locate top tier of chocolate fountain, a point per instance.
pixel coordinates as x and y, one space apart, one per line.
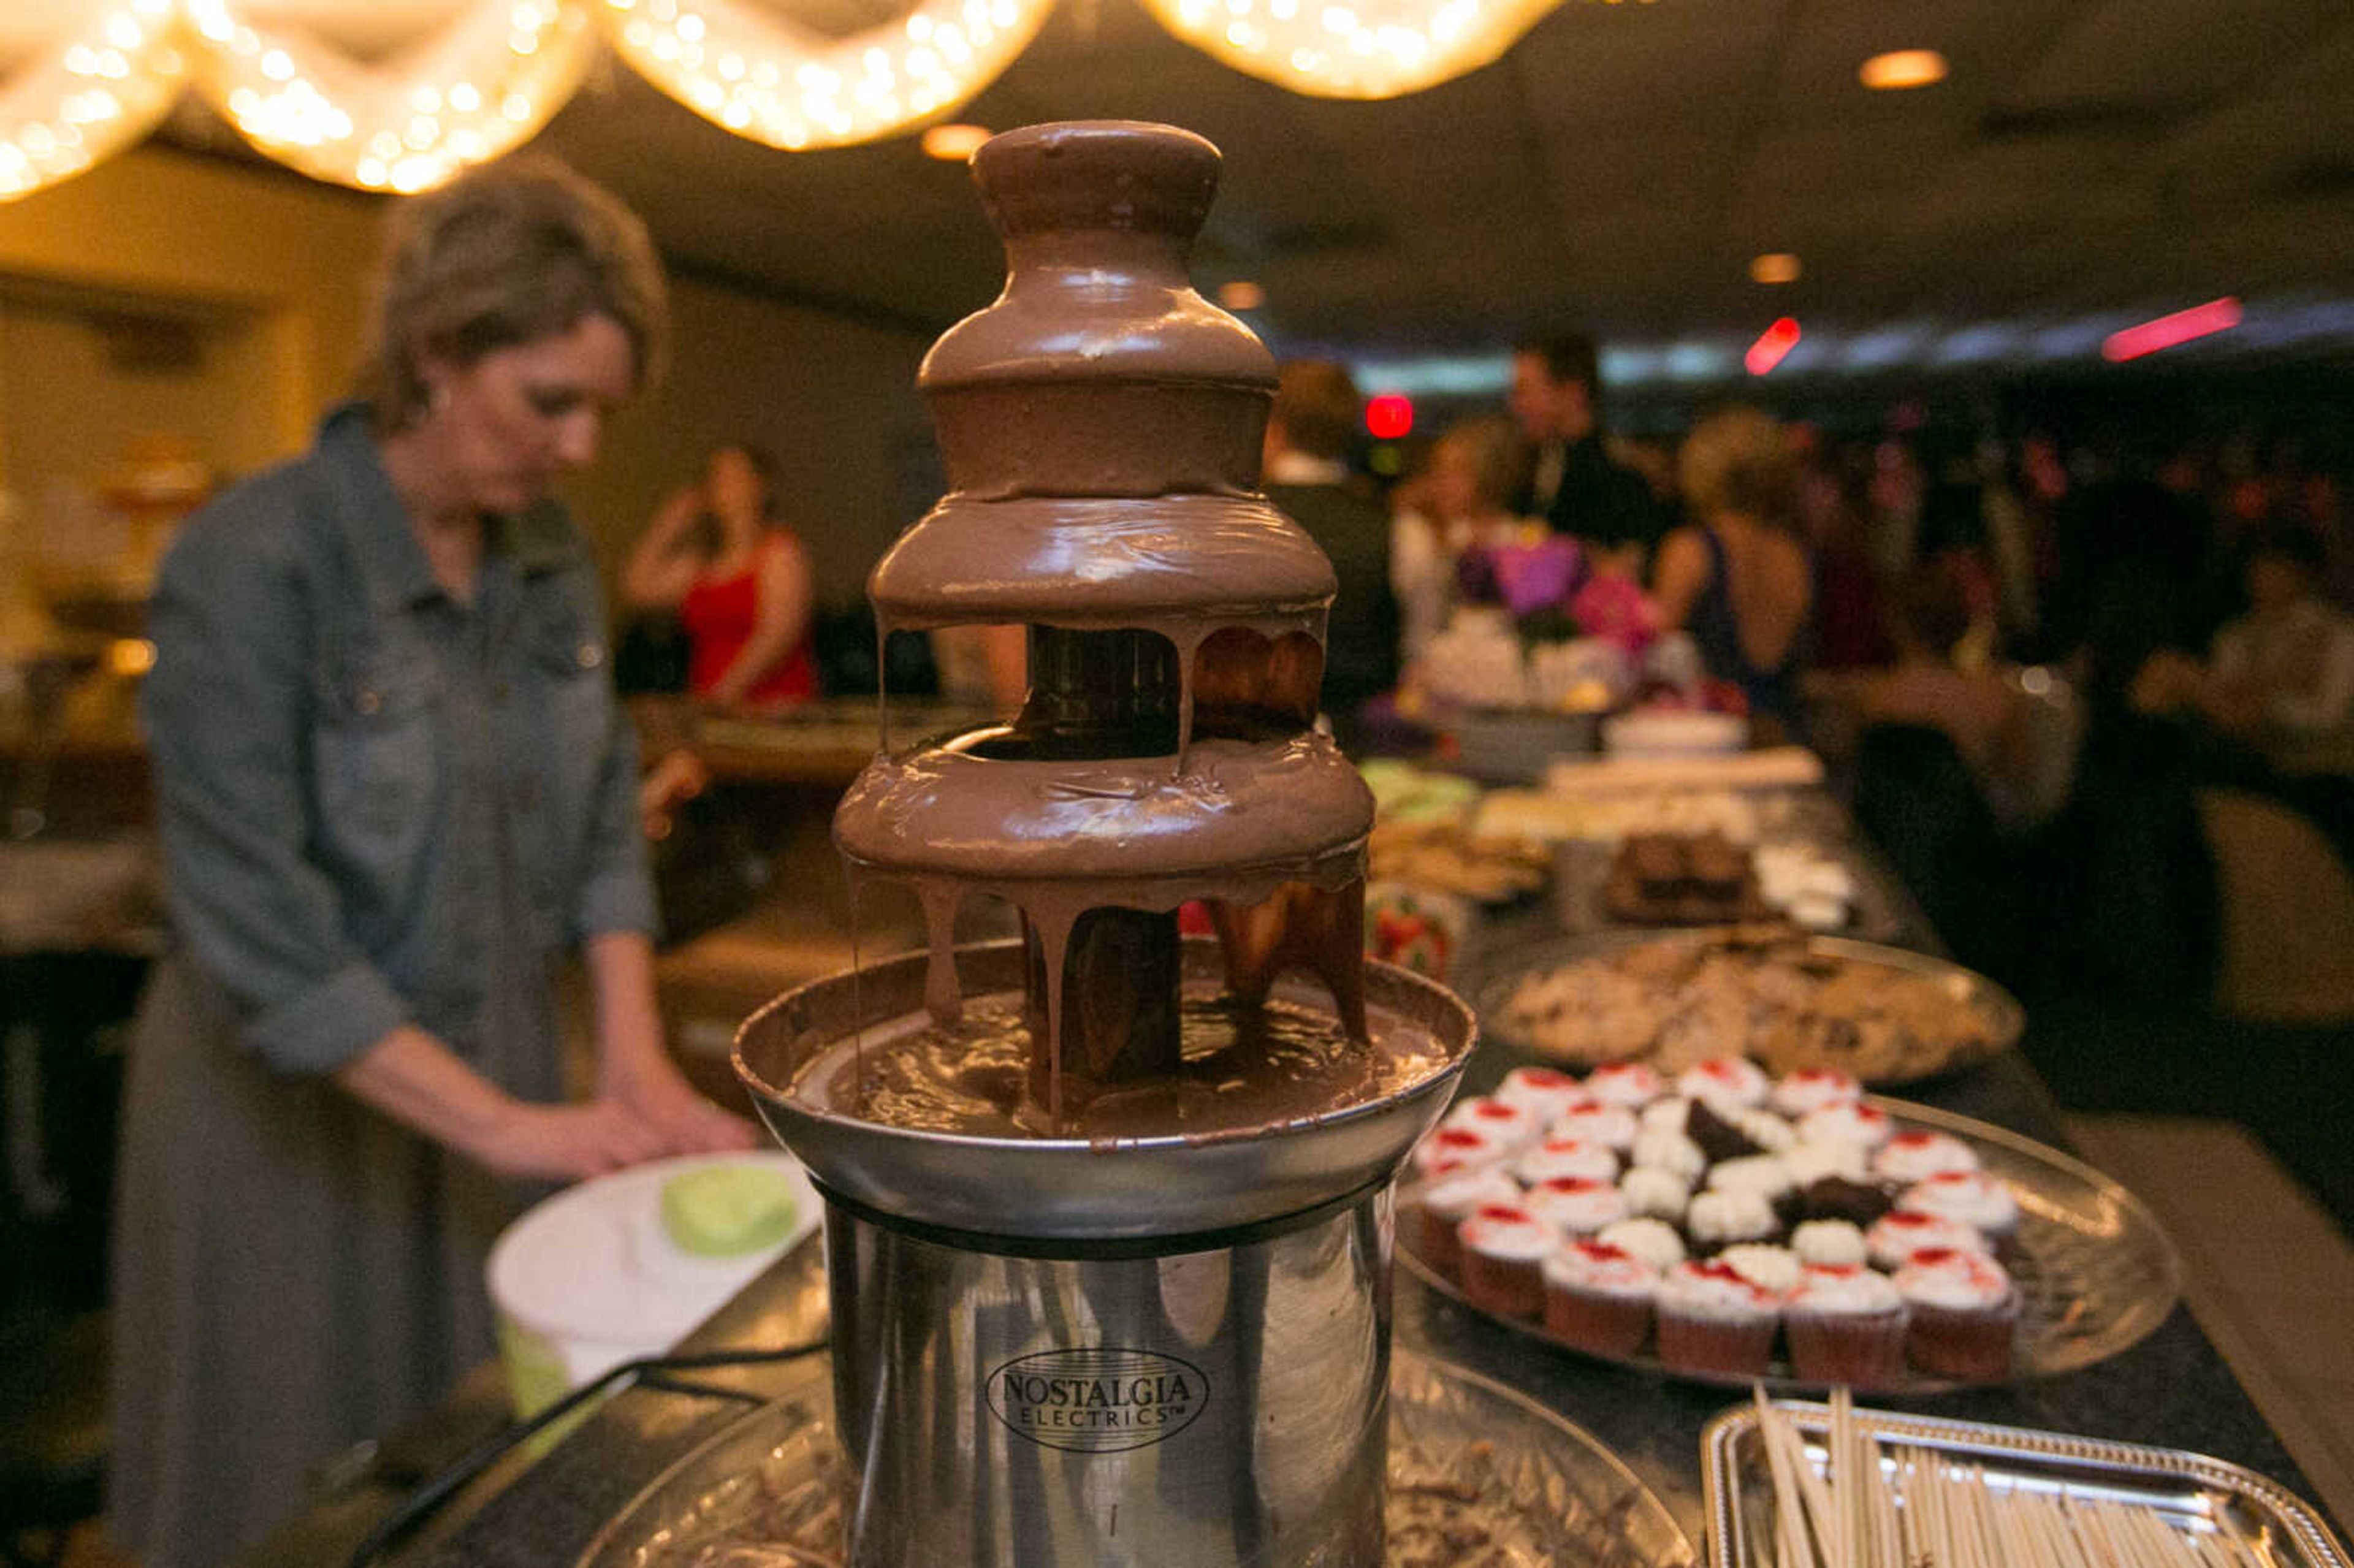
1101 423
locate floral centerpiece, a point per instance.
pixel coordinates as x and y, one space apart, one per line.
1537 625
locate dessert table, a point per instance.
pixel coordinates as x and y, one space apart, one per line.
2173 1389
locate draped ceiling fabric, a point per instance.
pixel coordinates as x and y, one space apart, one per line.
81 79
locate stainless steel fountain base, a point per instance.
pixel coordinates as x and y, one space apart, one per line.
1220 1403
1163 1352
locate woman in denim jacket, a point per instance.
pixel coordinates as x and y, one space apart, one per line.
395 792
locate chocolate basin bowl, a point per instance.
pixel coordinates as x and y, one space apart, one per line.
1077 1190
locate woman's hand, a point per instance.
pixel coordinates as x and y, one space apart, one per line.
568 1142
686 1123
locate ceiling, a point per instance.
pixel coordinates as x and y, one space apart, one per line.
1617 169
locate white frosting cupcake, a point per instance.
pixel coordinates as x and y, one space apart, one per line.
1724 1081
1867 1126
1446 1148
1603 1267
1715 1291
1575 1206
1810 1090
1833 1241
1845 1289
1565 1157
1596 1121
1764 1174
1811 1162
1919 1153
1717 1217
1654 1241
1629 1084
1772 1269
1669 1151
1456 1193
1665 1114
1510 1124
1973 1197
1656 1192
1764 1128
1895 1237
1953 1280
1542 1091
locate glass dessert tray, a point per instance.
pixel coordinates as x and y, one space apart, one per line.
2095 1270
1468 1459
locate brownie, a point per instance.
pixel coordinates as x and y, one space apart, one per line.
1860 1204
1718 1139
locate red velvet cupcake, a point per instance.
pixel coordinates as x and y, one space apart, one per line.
1446 1148
1964 1313
1504 1248
1711 1320
1436 1208
1846 1324
1597 1297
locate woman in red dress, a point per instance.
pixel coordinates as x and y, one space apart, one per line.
740 581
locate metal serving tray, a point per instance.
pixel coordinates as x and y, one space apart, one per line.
2187 1491
766 1492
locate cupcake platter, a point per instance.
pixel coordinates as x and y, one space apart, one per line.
1790 999
1728 1228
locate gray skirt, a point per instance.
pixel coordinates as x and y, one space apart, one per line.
293 1272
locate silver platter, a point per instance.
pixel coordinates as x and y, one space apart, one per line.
2096 1270
2002 1018
2188 1492
1463 1451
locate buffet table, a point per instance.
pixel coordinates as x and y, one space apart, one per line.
2172 1389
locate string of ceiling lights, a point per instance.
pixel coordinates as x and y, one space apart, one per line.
107 71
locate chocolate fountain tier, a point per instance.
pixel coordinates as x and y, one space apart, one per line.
1240 813
1090 1191
1066 561
1099 335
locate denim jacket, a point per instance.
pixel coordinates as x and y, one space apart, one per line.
377 802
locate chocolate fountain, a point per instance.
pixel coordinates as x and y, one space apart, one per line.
1108 1214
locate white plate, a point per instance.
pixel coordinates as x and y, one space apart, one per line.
592 1272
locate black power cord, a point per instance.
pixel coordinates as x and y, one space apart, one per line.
650 1372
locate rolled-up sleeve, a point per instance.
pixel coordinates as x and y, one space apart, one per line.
226 709
616 888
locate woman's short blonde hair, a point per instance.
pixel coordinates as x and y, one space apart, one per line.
1490 446
1739 460
503 255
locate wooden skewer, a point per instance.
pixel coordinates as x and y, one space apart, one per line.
1790 1550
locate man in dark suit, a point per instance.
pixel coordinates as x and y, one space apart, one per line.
1556 396
1308 438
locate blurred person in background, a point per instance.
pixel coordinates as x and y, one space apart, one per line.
395 793
739 580
1306 475
2280 678
1980 711
1850 626
1460 501
1947 766
1573 483
1736 579
1894 497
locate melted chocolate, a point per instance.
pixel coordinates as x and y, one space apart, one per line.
1101 425
1245 1066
